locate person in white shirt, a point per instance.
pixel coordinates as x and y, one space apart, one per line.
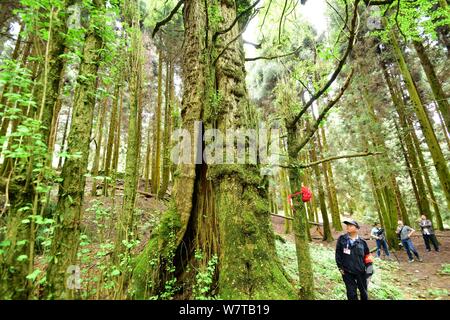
378 234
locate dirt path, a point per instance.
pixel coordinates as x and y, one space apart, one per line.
419 280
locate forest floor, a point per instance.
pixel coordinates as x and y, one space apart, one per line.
394 279
429 279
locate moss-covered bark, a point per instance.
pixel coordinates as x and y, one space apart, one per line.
220 209
111 133
323 207
124 225
13 270
156 157
301 231
98 146
68 213
169 96
337 225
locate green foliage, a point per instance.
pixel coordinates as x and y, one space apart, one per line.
204 277
445 269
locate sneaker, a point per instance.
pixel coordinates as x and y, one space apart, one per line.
429 250
420 260
411 260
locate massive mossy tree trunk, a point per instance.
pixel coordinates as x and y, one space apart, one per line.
218 209
71 191
436 153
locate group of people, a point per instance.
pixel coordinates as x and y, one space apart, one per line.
404 234
353 255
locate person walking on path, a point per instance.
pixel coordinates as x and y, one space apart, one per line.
352 259
404 233
378 234
428 233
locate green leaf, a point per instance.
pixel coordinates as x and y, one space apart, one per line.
115 273
22 257
21 242
32 276
5 243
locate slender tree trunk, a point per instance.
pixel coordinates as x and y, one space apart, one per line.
148 158
424 168
421 195
64 137
98 146
69 208
329 181
167 130
323 207
110 143
436 153
436 86
115 161
125 221
156 158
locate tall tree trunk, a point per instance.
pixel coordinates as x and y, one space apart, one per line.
148 158
98 145
331 189
323 207
64 138
424 168
111 132
217 209
401 208
156 158
436 153
167 129
125 219
436 86
399 105
71 192
115 160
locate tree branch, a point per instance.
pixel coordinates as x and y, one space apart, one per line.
274 57
256 45
161 23
344 156
378 3
218 33
324 112
336 72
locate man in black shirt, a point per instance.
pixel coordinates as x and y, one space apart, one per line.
352 255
